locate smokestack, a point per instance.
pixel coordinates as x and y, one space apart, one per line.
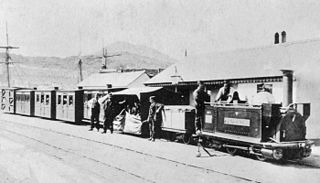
185 53
283 36
287 79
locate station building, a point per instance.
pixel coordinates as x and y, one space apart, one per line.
247 69
114 79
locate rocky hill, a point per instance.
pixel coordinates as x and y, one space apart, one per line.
64 72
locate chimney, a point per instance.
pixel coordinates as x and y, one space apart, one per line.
276 38
185 52
56 88
287 79
283 36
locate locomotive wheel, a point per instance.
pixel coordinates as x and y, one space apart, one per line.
261 157
186 138
231 151
171 136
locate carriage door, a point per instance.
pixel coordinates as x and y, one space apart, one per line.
71 107
59 106
46 105
64 106
36 104
27 103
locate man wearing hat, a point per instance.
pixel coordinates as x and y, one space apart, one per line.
154 118
200 96
109 113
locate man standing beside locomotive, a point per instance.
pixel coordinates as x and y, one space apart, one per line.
154 118
200 96
95 111
109 113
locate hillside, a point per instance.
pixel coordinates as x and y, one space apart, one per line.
64 72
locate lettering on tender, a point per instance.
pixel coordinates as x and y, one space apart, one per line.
237 121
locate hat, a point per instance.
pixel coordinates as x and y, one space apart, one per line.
200 82
152 98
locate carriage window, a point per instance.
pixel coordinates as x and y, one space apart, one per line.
37 98
22 98
64 99
42 98
70 100
47 99
27 97
59 99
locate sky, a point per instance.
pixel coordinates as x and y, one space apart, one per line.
62 28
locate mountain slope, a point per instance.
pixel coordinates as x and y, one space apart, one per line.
64 72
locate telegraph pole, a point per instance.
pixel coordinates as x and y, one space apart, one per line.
8 58
105 56
80 69
79 56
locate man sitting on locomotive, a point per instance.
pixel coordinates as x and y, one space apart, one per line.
225 93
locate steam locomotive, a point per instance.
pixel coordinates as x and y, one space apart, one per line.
267 131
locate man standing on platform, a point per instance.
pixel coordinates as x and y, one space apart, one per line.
95 111
200 96
109 113
155 118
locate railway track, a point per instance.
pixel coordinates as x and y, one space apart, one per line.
110 145
132 173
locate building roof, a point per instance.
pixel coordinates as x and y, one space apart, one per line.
134 91
260 62
115 79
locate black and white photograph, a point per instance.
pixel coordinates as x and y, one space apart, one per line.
161 91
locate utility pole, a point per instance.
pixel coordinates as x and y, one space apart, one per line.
8 58
105 56
80 69
79 57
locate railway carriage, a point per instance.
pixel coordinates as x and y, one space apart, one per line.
45 103
171 126
8 102
25 102
69 105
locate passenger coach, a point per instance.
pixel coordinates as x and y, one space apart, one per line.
45 103
69 105
25 102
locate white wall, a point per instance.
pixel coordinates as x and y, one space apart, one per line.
308 91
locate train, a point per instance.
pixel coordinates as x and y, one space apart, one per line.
267 131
